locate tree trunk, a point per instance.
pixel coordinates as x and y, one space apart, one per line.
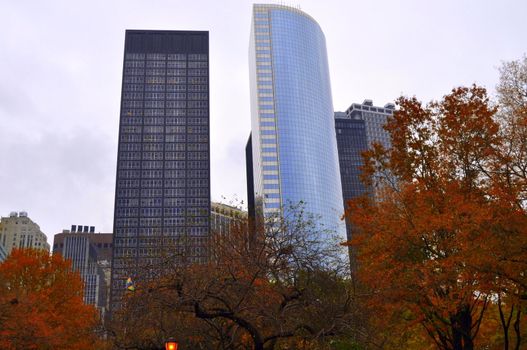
462 329
517 328
466 328
457 343
504 324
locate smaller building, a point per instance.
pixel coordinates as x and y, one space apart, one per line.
90 254
374 120
18 231
224 217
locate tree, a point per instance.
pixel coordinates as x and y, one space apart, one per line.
511 183
284 288
41 305
434 240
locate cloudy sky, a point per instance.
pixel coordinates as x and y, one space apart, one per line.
61 66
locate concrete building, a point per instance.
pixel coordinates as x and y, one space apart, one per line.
224 217
374 120
90 254
294 151
162 201
18 231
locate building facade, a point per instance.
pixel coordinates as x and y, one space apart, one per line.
162 202
18 231
224 217
356 130
351 142
374 120
90 253
292 126
3 252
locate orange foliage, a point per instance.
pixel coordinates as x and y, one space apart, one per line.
41 305
446 231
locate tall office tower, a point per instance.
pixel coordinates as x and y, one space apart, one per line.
293 130
162 202
19 231
356 129
90 254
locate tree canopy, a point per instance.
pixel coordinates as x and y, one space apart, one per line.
41 304
444 237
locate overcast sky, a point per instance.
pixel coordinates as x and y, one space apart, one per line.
61 66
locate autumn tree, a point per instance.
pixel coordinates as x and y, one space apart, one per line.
285 288
510 178
428 240
41 304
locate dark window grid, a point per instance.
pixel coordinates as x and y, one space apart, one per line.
207 130
204 190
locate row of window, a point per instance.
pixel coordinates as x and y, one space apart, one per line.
175 112
163 155
130 230
158 192
158 241
164 147
164 64
167 183
141 79
156 212
163 121
156 221
170 56
169 129
164 104
167 202
167 164
168 174
182 87
168 72
167 96
191 138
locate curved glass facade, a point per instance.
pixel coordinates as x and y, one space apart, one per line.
293 129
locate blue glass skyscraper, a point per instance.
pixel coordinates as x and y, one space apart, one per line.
293 130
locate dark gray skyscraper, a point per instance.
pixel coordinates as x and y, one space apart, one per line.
162 200
351 142
356 129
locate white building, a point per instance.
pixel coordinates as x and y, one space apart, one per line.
19 231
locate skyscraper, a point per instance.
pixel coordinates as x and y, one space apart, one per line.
356 129
351 142
293 130
162 201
